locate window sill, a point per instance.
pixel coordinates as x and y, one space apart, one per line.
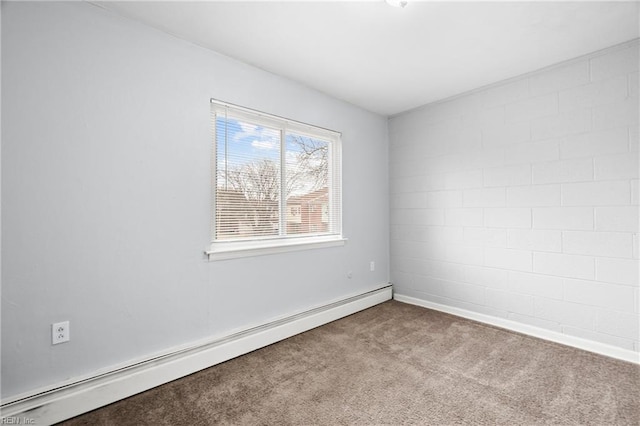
237 249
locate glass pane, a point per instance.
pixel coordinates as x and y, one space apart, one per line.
247 180
307 177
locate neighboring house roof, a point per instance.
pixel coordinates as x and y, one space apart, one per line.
319 196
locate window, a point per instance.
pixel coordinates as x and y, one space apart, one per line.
276 184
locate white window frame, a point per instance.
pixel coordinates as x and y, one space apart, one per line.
230 249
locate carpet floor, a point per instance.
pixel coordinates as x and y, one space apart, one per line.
395 364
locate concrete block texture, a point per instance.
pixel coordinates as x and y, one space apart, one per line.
540 180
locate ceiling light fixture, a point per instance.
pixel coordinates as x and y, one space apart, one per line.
397 3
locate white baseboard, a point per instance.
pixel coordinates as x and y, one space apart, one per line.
69 400
553 336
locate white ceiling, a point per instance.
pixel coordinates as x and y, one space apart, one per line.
387 59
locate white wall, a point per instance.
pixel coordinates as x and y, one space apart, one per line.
520 201
106 196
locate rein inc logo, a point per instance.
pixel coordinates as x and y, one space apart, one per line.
17 421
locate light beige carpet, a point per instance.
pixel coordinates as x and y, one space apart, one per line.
395 364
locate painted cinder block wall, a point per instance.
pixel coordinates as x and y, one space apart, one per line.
520 200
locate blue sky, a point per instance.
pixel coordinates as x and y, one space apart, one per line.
244 142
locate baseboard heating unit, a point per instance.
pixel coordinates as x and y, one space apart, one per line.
58 403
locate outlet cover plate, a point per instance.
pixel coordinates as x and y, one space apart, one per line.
60 332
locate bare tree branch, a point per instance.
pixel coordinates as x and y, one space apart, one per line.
259 181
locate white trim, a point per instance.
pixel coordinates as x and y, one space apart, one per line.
236 249
65 401
274 120
541 333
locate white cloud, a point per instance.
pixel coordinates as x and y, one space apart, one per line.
260 137
291 158
265 144
248 128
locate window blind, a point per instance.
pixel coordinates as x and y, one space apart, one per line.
274 178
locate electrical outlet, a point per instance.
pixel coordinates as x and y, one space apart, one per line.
60 332
372 266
